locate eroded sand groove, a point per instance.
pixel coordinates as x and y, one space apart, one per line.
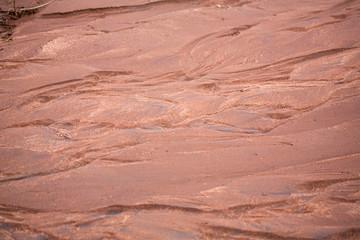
182 120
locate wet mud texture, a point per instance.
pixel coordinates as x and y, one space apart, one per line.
182 120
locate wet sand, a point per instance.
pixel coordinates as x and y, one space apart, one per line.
150 119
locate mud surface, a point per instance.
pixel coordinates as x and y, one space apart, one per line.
182 120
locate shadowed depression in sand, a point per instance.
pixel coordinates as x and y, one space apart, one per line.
153 119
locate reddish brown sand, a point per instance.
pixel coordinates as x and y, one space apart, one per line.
154 119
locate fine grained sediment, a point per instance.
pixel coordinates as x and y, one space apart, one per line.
210 119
